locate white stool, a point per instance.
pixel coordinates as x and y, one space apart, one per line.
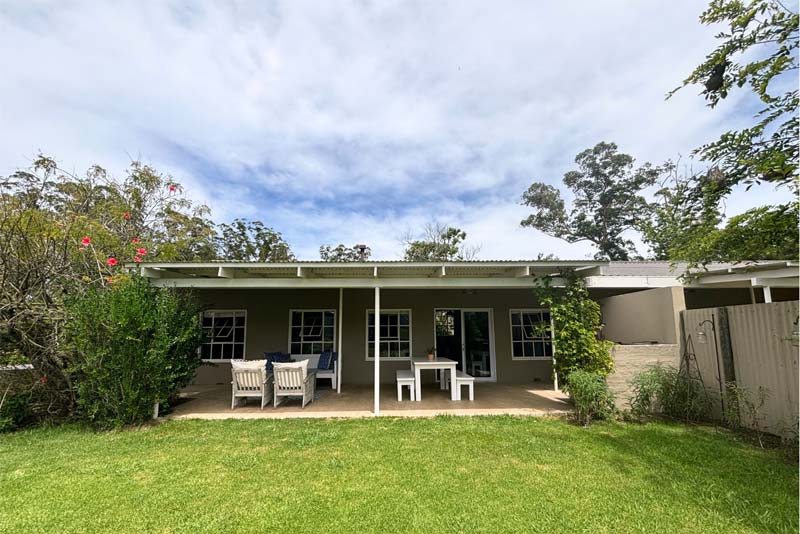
463 379
405 378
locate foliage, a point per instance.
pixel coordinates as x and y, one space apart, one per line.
244 240
683 225
608 202
664 390
765 233
438 243
133 345
576 329
758 50
15 409
385 474
343 254
685 211
60 234
743 409
591 396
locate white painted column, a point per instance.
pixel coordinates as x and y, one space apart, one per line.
377 353
339 343
767 294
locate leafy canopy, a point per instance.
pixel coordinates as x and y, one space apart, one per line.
244 240
758 49
607 202
343 254
439 243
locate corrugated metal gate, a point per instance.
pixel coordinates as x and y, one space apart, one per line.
752 345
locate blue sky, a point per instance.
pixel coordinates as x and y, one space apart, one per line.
357 122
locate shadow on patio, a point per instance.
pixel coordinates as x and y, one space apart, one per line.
214 402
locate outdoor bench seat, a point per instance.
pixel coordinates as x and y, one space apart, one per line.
405 378
463 379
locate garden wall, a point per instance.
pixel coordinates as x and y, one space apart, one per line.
753 346
650 316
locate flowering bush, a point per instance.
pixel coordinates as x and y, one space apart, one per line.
133 345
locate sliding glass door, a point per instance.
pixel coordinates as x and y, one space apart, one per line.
466 336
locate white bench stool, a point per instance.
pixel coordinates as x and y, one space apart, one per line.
463 379
405 378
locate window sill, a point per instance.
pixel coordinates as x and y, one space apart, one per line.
530 358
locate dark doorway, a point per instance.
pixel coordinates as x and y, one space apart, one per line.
448 335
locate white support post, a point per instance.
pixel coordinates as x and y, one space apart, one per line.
339 344
377 353
767 294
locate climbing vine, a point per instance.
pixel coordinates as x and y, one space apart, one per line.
576 325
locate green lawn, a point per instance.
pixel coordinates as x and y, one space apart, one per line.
463 474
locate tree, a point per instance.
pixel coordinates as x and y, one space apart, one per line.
759 50
244 240
764 233
343 254
685 209
439 243
607 202
61 234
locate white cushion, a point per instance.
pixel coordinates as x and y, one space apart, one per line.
303 364
248 364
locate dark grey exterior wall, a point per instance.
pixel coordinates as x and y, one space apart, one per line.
268 326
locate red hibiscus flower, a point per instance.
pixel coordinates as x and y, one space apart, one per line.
43 380
85 241
172 188
111 262
135 240
137 259
126 215
141 251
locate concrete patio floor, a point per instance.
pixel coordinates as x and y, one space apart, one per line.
214 402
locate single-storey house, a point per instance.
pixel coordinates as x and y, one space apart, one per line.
478 313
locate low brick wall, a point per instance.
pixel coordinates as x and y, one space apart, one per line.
630 359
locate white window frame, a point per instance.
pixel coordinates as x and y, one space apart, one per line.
511 313
377 324
243 342
304 310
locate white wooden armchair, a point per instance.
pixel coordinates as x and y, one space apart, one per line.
250 379
293 380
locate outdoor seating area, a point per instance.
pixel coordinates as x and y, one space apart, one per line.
356 400
279 376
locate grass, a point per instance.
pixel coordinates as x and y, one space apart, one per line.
464 474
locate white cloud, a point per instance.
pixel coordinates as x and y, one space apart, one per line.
352 121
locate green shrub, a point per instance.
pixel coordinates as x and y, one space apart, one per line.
134 345
664 390
591 396
15 410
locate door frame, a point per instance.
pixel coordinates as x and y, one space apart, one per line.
492 357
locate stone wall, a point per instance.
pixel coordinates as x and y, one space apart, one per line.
630 359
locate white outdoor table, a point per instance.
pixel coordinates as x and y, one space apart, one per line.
437 363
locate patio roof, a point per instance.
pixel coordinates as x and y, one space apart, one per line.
387 274
763 274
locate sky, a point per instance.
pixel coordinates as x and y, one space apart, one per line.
358 122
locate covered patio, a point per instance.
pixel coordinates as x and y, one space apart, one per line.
214 402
